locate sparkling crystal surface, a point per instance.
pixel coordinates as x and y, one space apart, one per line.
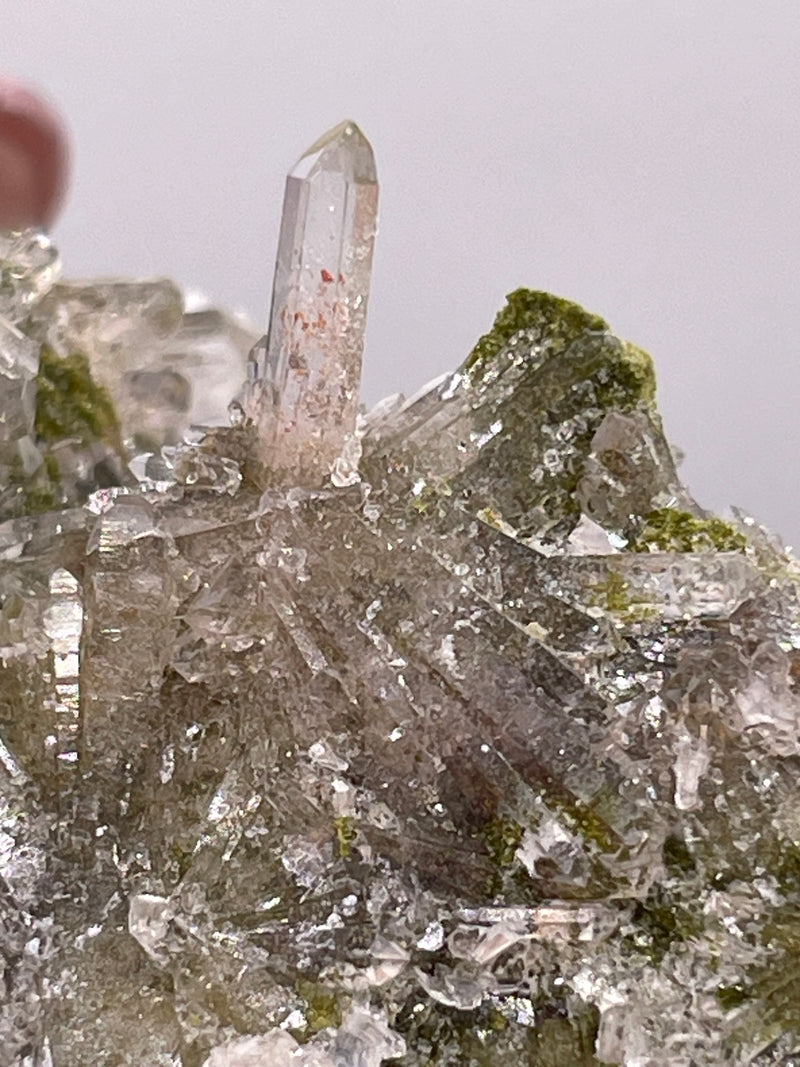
102 381
165 367
304 375
489 755
29 265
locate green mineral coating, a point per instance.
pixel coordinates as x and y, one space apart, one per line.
39 499
345 835
566 1041
445 1037
677 858
627 380
182 857
585 821
503 837
623 374
51 467
614 596
663 921
429 499
527 309
568 371
322 1008
775 987
732 996
673 530
70 404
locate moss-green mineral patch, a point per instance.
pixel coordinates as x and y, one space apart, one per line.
587 821
661 920
536 429
772 988
36 492
503 837
623 374
322 1007
441 1036
561 320
732 996
626 380
673 530
613 594
345 830
678 860
70 404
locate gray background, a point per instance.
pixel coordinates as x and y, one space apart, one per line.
640 157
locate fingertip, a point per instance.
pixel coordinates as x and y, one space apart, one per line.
34 157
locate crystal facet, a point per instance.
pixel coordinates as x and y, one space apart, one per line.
165 367
304 375
29 265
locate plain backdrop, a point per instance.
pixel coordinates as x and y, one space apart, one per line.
638 156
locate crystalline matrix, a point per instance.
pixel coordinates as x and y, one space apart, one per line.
484 753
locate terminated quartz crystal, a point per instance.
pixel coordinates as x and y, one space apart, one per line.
488 757
304 375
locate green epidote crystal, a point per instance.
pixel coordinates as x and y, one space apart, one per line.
623 375
556 373
489 757
75 428
321 1007
672 530
558 320
70 404
345 835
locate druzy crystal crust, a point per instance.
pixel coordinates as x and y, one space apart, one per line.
488 755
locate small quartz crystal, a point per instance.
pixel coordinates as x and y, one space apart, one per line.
305 374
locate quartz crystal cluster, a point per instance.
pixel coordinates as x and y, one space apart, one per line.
487 753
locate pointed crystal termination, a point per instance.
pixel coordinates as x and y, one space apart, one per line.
304 375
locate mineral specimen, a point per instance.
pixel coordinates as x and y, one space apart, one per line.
304 375
489 756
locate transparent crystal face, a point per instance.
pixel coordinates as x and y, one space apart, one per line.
29 265
304 377
166 369
342 151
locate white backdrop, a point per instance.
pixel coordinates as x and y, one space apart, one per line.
639 156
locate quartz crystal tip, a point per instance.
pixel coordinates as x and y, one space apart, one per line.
304 375
343 149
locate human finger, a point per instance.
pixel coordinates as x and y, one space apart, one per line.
34 158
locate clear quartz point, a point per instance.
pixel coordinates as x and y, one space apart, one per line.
304 375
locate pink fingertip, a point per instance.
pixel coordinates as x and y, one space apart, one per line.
34 158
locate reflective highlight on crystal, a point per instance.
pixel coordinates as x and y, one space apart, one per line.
63 625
